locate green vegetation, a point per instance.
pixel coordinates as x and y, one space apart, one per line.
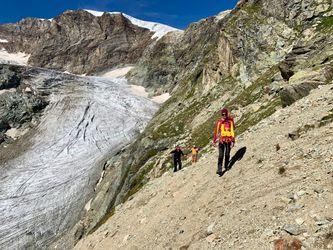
139 180
255 91
252 118
252 9
326 24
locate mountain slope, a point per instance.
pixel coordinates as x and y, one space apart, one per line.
254 59
80 42
247 208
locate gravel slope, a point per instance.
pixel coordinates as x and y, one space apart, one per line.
252 204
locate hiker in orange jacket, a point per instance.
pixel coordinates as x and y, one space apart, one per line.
225 136
194 151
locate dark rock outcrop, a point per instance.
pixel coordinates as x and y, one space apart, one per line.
18 103
8 78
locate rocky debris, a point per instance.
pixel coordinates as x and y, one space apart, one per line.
293 93
299 221
286 72
287 244
325 239
322 222
294 207
8 78
293 229
210 228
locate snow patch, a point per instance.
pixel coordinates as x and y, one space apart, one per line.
222 14
116 73
12 90
161 98
159 29
139 91
13 58
16 133
3 41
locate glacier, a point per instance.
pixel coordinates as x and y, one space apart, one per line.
45 185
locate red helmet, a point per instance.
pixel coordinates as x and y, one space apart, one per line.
224 111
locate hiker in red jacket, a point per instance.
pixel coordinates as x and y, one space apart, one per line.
225 136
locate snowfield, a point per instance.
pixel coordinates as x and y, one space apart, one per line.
13 58
159 29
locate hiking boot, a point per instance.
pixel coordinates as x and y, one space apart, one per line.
219 173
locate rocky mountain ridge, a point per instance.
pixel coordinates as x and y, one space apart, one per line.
81 42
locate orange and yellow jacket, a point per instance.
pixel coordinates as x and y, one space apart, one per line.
224 130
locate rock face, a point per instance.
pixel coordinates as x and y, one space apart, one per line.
48 176
19 106
78 41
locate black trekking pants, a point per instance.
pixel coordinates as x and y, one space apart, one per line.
224 150
176 162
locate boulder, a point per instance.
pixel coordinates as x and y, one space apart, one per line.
8 78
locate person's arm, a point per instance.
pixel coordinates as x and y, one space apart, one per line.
181 151
216 131
172 152
233 129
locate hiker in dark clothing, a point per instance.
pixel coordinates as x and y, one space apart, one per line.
225 136
177 158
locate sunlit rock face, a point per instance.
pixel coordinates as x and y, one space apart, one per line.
80 41
49 174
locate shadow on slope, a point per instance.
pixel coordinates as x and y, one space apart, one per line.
237 157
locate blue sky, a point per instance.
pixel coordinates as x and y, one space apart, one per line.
177 13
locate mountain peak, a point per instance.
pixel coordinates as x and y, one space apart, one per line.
159 29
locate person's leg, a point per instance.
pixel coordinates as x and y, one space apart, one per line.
179 164
174 165
227 155
193 159
220 159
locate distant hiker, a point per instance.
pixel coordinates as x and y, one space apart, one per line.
194 151
225 136
177 158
